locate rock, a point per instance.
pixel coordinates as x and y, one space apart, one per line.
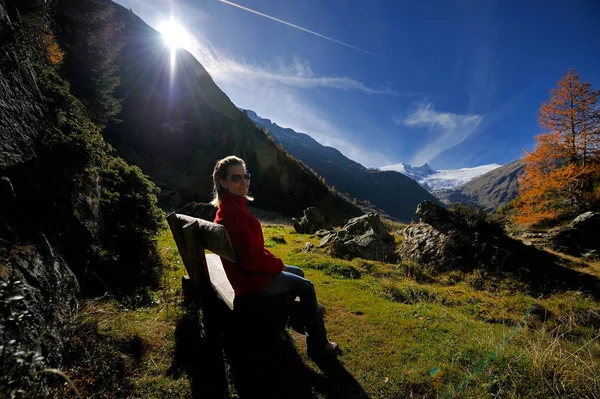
586 220
528 234
326 239
37 302
446 241
580 237
308 247
363 237
427 245
312 221
322 233
20 100
592 255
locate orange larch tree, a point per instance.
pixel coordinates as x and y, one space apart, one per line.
563 172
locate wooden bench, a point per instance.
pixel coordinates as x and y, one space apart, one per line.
207 284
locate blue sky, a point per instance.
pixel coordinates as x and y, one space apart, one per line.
453 83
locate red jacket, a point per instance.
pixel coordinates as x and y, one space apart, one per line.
255 264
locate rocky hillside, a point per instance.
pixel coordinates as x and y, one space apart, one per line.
390 191
491 190
74 217
176 123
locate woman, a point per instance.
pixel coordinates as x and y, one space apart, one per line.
258 271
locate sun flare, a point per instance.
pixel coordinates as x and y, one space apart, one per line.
174 34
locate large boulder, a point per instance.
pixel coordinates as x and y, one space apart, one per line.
580 238
446 240
427 245
363 237
37 302
312 221
465 239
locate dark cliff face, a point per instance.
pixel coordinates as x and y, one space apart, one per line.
37 289
69 208
177 123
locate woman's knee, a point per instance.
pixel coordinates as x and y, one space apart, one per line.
295 270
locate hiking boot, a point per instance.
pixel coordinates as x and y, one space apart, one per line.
330 349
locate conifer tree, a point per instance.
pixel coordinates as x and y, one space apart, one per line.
87 36
562 174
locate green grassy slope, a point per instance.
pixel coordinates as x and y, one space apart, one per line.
404 332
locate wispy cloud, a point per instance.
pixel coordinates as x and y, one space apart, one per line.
295 72
449 128
275 92
288 108
297 27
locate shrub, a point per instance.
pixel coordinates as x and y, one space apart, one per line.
99 212
129 256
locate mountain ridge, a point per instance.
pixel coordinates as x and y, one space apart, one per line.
394 193
491 190
177 123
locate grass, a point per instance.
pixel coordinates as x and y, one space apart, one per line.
404 330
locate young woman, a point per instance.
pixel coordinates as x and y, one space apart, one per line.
258 271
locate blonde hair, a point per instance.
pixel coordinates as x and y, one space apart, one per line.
220 173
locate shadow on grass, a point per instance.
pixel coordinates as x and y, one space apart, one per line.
546 273
260 365
202 363
270 367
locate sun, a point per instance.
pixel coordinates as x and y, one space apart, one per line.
174 34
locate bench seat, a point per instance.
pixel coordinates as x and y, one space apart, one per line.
219 280
207 279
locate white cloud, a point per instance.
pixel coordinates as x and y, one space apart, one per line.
450 128
426 115
295 72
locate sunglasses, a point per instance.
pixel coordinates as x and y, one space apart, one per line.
238 178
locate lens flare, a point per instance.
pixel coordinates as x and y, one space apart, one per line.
174 34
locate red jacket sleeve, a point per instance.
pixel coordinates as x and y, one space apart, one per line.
247 239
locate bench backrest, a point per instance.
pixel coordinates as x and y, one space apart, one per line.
193 236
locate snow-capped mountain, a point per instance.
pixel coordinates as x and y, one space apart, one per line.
434 180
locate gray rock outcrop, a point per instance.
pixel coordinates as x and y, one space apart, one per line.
312 221
580 238
362 237
37 289
445 240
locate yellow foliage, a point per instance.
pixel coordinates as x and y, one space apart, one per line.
560 172
55 54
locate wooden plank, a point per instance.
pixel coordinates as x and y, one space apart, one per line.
193 236
212 236
197 261
176 226
219 280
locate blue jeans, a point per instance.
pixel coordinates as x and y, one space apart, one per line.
292 282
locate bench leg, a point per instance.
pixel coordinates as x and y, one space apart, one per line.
190 293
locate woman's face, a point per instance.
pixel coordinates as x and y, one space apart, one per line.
237 181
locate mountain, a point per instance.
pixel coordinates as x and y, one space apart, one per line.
176 123
390 191
434 180
490 190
